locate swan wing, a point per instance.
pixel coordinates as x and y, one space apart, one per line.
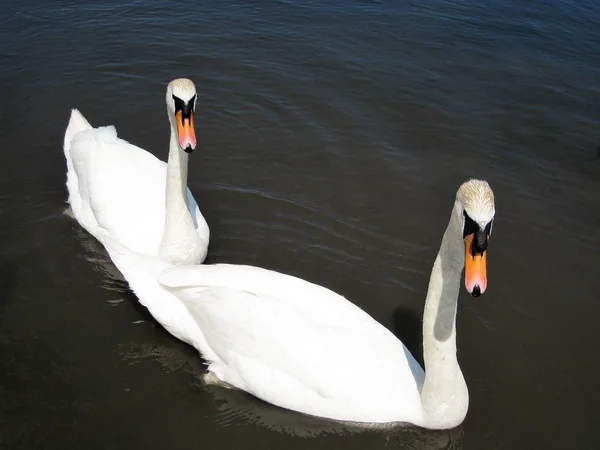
122 188
296 344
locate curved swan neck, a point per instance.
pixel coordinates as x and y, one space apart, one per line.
179 226
444 396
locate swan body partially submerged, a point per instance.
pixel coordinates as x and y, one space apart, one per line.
125 192
303 347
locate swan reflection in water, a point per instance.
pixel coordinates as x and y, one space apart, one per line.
234 408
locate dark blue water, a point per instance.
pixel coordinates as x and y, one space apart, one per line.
332 139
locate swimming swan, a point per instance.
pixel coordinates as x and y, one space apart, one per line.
303 347
120 190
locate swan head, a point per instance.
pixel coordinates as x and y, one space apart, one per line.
181 105
475 201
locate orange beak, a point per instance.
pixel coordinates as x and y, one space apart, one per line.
185 130
475 269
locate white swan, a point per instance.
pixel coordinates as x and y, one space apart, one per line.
120 190
303 347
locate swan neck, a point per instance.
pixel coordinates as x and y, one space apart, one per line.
179 226
177 171
444 396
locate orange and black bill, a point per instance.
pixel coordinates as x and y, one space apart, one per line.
185 130
476 262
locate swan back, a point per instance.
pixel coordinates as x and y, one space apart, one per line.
298 345
121 188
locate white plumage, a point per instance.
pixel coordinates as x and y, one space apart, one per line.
304 347
119 189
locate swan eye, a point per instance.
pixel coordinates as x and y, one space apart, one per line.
178 103
470 226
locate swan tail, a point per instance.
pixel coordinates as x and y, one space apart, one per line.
77 123
127 260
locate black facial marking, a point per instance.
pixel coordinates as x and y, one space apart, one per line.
470 225
178 103
480 238
185 108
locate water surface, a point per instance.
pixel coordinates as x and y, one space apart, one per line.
332 139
